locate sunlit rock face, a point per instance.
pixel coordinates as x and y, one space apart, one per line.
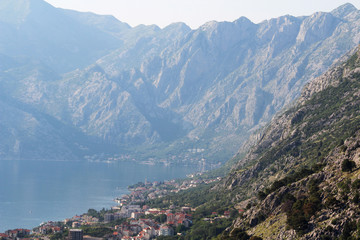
119 86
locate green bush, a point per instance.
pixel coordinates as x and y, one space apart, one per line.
344 186
343 148
326 237
297 221
96 231
239 234
348 228
334 221
356 198
356 184
331 202
205 230
291 178
347 165
255 238
299 211
261 195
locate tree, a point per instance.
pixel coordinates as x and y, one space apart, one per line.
161 218
180 228
297 221
349 226
347 165
256 238
239 234
261 195
93 213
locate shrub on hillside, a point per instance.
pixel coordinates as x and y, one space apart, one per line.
347 165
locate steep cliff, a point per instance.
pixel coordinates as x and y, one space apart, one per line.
192 94
300 181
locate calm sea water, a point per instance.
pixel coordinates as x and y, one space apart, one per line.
32 192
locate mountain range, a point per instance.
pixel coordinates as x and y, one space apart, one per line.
76 85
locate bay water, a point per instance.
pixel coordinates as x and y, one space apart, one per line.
32 192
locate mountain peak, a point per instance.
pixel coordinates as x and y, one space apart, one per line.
243 21
344 10
178 25
16 11
210 25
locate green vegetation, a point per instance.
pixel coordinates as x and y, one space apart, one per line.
115 222
349 227
60 236
206 230
236 234
291 178
300 210
98 214
136 185
347 165
192 197
321 125
160 218
317 127
224 169
353 61
356 184
206 200
96 231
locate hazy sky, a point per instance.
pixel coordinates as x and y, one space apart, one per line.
196 12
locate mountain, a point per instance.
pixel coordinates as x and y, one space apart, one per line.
29 134
171 93
40 43
301 179
33 29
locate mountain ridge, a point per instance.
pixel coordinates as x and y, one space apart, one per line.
207 86
294 179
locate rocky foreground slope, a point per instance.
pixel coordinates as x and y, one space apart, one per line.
301 180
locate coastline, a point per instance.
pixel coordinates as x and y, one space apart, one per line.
137 194
57 190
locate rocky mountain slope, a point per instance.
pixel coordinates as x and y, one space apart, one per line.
301 180
190 93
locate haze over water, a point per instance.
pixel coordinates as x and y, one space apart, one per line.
32 192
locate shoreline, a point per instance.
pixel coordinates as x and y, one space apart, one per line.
133 196
51 193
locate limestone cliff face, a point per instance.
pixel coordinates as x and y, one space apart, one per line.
207 88
301 178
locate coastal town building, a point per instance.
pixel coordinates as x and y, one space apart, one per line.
76 234
17 233
166 230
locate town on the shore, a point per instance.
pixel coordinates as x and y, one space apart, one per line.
130 219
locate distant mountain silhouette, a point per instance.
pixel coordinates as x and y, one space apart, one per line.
158 93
